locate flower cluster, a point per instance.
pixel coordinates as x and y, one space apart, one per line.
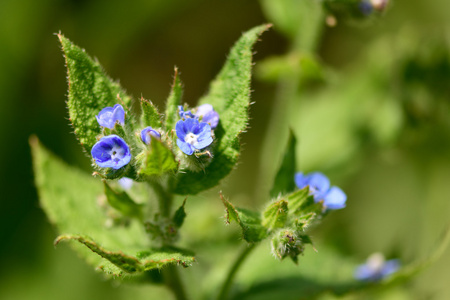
194 131
376 268
319 186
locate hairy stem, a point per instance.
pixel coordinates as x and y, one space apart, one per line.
237 264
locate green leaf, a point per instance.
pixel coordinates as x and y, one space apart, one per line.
150 115
122 202
72 201
144 260
275 216
300 203
284 180
90 90
158 160
229 94
300 20
179 215
249 221
173 102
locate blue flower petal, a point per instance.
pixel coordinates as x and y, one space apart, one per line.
181 130
318 184
300 180
390 266
147 134
335 198
208 115
185 147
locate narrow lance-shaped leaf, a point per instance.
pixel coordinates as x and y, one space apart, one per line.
284 180
158 160
249 221
143 261
179 215
150 115
90 90
173 102
122 202
229 94
275 215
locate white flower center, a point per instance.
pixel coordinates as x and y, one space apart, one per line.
116 153
191 138
376 262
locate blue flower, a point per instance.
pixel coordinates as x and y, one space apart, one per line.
108 116
319 186
111 152
207 114
376 268
147 134
184 114
193 135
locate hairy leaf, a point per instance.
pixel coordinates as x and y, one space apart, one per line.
90 90
173 102
143 261
158 160
284 180
122 202
249 221
150 115
275 215
229 94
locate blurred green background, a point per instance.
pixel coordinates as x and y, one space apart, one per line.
371 109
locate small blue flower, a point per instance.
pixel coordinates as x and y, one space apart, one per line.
108 116
319 186
147 134
207 114
376 268
111 152
184 114
126 183
193 135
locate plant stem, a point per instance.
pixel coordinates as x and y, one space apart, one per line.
165 199
170 273
173 282
227 284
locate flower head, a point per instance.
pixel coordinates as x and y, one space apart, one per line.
193 135
147 134
207 114
108 116
319 186
111 152
376 268
185 114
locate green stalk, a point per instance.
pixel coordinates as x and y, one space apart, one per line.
170 273
237 264
173 281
